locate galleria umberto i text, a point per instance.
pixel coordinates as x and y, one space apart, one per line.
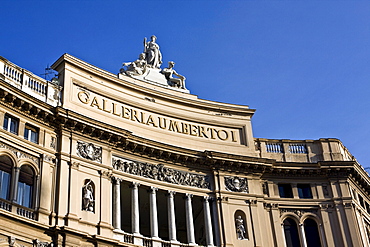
94 158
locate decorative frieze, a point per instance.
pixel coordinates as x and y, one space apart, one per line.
38 243
20 154
298 212
161 173
89 151
236 184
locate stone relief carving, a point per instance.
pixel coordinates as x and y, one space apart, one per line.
240 229
161 173
19 153
236 184
88 196
298 212
38 243
89 151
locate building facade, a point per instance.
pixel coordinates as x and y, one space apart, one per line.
96 159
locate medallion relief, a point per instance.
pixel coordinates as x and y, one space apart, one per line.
89 151
236 184
161 173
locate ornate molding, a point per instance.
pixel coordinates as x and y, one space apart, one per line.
298 212
236 184
38 243
89 151
161 173
19 153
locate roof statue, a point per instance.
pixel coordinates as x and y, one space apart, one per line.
153 54
148 68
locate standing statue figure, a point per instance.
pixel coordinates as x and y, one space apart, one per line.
153 54
169 72
88 197
240 229
137 67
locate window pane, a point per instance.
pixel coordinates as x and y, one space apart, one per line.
26 132
13 126
34 136
304 191
4 185
285 191
20 193
312 233
25 186
291 233
6 120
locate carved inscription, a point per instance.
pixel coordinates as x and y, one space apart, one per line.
128 113
161 173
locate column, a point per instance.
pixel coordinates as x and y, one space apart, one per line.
36 195
116 203
171 215
189 219
208 221
14 188
135 208
153 212
303 235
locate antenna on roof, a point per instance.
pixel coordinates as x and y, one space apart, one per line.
49 73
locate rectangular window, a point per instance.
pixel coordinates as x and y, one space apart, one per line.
304 191
31 133
11 124
285 191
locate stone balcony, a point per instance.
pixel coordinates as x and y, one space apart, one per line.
307 151
46 91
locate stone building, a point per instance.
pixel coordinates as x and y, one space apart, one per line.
96 159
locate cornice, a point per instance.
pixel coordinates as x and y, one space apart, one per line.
166 94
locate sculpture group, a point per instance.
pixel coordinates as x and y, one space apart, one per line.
151 59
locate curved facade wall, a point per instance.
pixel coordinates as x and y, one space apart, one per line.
101 160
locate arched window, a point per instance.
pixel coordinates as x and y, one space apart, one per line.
312 233
5 177
25 186
240 225
291 233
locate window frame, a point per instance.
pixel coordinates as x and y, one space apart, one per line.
285 190
304 191
7 124
28 130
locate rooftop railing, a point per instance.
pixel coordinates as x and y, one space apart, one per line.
310 151
26 81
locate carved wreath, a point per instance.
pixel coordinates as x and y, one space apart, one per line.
89 151
236 184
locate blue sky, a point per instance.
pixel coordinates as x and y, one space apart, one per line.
304 65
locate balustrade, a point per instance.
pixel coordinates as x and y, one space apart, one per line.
5 205
30 83
297 148
274 148
28 213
